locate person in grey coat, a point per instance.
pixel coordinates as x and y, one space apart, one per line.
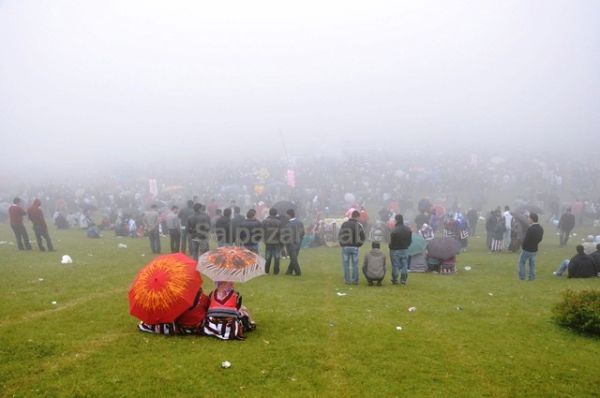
271 234
374 264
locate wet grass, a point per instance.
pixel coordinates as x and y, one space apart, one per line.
477 333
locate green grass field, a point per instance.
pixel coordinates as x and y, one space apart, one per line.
478 333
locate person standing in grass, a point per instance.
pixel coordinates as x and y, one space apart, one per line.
16 214
36 215
174 227
198 228
565 226
151 222
351 237
533 237
292 234
400 240
272 236
250 231
184 214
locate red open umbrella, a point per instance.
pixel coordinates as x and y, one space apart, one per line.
164 288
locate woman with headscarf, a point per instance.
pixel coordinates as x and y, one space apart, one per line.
190 322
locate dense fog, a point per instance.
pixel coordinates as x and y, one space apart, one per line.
187 91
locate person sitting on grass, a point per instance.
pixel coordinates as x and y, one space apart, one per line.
374 265
227 318
580 266
596 257
190 322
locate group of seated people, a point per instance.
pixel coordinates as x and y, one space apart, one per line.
585 264
220 314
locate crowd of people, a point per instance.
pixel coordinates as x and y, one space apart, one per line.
452 191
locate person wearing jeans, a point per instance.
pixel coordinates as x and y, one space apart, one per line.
400 240
533 236
350 253
525 257
272 237
399 260
151 226
351 237
16 213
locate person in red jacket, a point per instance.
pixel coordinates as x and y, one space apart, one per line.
16 214
226 317
36 215
191 322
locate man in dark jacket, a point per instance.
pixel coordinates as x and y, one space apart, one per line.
596 257
198 229
351 237
580 266
272 236
533 236
236 221
224 229
292 234
184 214
250 231
400 240
36 215
565 226
16 214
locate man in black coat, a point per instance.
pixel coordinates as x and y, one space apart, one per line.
292 234
224 229
184 215
400 240
351 237
565 226
580 266
272 237
533 237
596 257
198 229
250 231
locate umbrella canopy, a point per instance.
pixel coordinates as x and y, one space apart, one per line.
521 218
232 264
164 288
443 248
530 208
418 245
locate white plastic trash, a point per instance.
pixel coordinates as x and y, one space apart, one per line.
122 246
66 259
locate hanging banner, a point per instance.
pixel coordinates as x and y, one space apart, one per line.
291 178
153 187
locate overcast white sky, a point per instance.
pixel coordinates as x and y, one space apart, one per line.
123 77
